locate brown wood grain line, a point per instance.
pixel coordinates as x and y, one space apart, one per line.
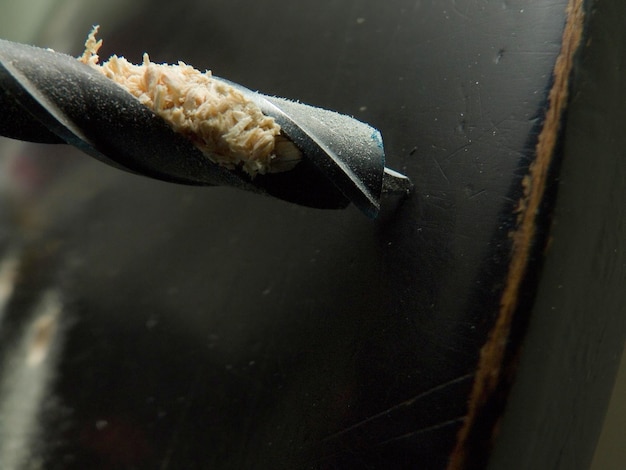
490 374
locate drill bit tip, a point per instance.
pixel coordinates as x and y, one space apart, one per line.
396 183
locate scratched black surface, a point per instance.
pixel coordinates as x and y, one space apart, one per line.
211 328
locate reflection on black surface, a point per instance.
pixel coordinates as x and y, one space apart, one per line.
209 328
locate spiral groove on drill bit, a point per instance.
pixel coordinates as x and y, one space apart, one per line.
54 98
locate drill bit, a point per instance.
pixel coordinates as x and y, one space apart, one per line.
51 97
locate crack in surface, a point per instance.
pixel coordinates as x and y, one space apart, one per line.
402 404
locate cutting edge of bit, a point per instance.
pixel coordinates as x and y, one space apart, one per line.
395 183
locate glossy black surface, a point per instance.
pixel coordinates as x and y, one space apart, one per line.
578 327
210 328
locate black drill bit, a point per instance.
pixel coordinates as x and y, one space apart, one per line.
51 97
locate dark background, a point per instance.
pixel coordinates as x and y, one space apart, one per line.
211 328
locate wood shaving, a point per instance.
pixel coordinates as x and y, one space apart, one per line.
229 129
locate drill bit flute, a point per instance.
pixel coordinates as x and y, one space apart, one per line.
174 123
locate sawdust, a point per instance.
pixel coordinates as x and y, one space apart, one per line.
228 128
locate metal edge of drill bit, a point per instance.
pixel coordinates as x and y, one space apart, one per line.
62 97
357 173
349 151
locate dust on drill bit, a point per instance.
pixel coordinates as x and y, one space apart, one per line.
228 128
